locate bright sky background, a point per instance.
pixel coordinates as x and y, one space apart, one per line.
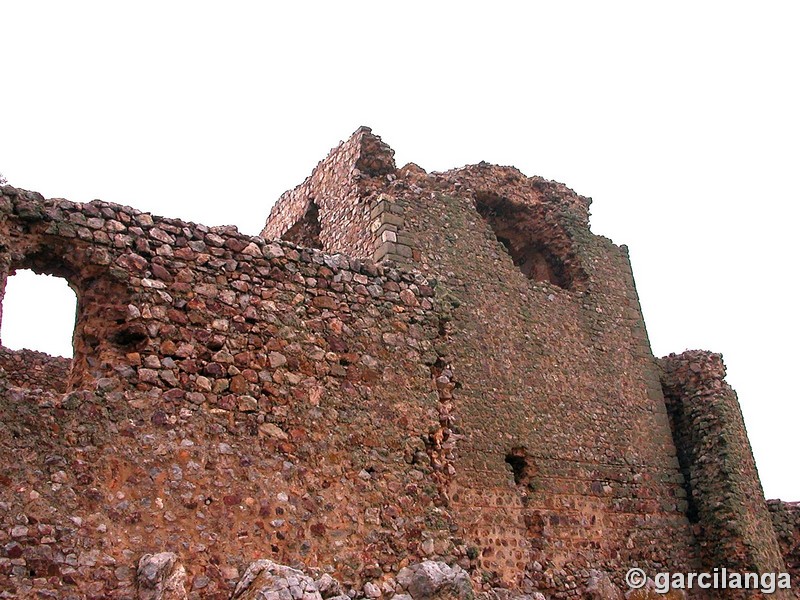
680 119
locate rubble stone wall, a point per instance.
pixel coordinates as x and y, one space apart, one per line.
231 397
31 369
557 372
445 366
558 451
336 208
786 520
726 501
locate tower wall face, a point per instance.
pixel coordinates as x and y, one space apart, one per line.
443 366
565 375
337 200
560 456
727 502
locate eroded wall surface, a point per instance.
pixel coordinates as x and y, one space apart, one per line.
563 457
560 450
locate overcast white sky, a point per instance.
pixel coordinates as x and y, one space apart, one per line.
680 119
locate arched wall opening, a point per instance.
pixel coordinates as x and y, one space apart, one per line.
102 334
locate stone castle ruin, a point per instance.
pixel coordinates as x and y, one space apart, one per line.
404 369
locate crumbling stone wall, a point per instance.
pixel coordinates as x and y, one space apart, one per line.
231 397
557 413
563 371
76 245
470 382
31 369
559 456
337 207
786 520
726 502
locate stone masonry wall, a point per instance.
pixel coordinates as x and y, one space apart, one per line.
727 503
786 520
27 368
470 382
556 371
557 453
337 207
231 398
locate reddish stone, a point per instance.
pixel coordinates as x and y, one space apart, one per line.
214 369
324 302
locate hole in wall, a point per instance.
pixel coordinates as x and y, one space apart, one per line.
517 467
517 458
307 230
524 470
38 313
522 231
130 337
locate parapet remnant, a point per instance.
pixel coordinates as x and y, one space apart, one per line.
407 375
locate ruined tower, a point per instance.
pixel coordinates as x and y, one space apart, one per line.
402 366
